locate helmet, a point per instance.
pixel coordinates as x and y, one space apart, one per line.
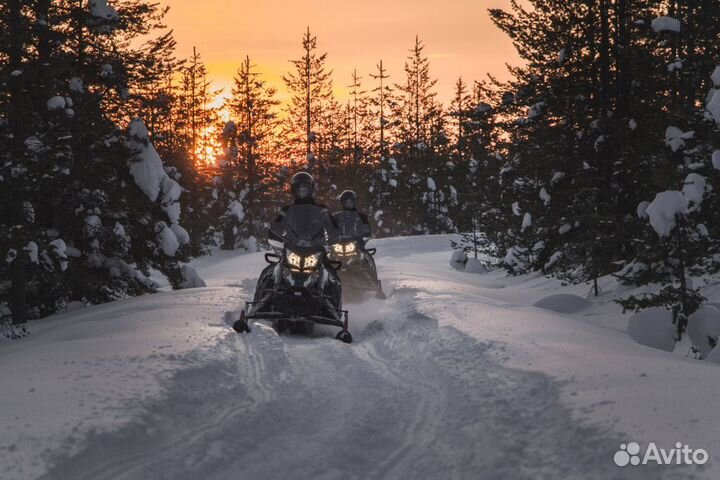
302 186
348 200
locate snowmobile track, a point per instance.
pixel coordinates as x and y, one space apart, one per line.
408 400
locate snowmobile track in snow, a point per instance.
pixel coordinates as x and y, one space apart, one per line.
407 400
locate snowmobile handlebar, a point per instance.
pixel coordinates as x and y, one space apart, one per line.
272 258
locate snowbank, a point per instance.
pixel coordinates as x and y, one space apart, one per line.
562 303
704 329
474 265
191 279
458 259
653 328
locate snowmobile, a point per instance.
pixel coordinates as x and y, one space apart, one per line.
300 286
358 271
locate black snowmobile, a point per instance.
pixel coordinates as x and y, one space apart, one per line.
358 271
300 286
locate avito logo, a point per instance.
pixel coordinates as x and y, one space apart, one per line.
629 454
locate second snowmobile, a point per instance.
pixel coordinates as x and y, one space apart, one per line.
358 271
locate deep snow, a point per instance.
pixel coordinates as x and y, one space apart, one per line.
456 375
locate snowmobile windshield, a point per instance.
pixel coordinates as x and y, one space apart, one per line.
305 226
350 224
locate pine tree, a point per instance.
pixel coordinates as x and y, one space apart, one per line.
79 231
253 106
421 149
310 87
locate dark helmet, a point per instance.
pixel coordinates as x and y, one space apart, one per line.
302 186
348 200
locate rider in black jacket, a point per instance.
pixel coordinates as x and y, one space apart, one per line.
355 227
306 213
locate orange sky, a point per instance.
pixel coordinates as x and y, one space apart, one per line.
459 36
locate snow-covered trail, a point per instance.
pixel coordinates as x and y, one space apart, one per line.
407 400
455 376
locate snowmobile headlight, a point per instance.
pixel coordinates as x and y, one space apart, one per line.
338 248
350 247
311 261
294 260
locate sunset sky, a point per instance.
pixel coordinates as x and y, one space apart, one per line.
460 38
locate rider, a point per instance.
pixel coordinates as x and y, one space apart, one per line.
303 208
355 227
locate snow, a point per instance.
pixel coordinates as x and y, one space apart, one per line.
33 144
545 196
191 279
474 265
56 103
60 249
664 208
632 124
642 209
100 9
557 176
32 251
653 327
454 376
517 211
562 303
147 170
93 225
167 238
536 110
149 174
562 56
251 244
106 70
76 85
676 65
694 190
458 259
181 234
170 204
715 77
704 328
527 221
236 209
713 107
675 138
665 24
716 159
431 184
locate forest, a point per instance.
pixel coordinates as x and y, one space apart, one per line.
600 156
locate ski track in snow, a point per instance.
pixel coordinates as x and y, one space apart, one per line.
407 400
